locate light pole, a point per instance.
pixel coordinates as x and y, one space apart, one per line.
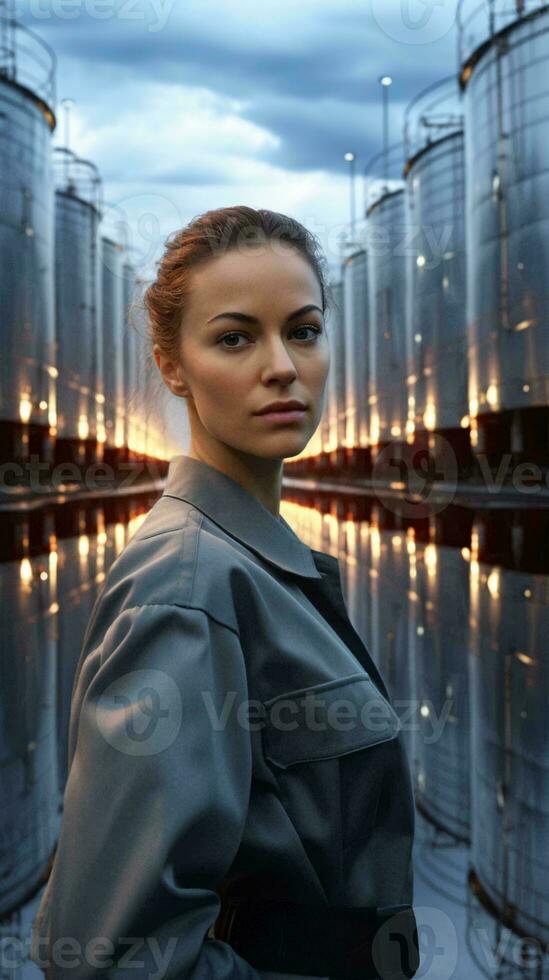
385 81
67 106
351 157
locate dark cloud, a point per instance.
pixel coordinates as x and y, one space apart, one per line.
312 85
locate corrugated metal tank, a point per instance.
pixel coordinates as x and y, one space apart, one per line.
387 303
506 83
356 339
138 317
335 397
27 367
436 289
162 417
130 355
77 217
148 375
112 336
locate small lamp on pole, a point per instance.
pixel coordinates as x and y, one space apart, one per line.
385 81
67 106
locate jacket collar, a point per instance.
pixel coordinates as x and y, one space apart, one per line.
240 514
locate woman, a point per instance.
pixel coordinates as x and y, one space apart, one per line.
221 819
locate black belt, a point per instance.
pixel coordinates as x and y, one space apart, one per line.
352 943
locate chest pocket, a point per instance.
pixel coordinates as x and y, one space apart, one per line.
327 720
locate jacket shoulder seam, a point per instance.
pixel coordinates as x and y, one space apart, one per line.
181 605
164 530
180 525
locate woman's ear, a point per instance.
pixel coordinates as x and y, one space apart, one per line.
172 373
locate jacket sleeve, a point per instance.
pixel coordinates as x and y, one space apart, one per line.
154 806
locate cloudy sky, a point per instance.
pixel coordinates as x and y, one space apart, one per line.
187 105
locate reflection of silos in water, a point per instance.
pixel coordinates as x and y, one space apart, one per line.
509 685
435 303
441 654
356 333
77 585
27 366
506 83
29 819
386 218
388 589
77 295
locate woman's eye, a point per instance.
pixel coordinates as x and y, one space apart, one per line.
309 326
306 326
227 335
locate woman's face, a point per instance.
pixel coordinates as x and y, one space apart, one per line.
231 367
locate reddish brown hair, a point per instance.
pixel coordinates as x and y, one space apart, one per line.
210 235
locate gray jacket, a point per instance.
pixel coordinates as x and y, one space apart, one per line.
200 762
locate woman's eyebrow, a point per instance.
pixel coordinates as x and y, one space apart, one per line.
246 318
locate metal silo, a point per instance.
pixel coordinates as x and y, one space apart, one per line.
77 217
144 370
28 372
435 280
504 55
386 240
160 421
130 355
335 408
387 318
137 326
150 398
112 300
324 428
356 334
164 414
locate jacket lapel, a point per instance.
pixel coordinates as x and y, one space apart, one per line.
326 595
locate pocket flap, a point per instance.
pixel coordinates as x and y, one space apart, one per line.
327 720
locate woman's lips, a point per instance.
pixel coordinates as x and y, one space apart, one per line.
290 415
